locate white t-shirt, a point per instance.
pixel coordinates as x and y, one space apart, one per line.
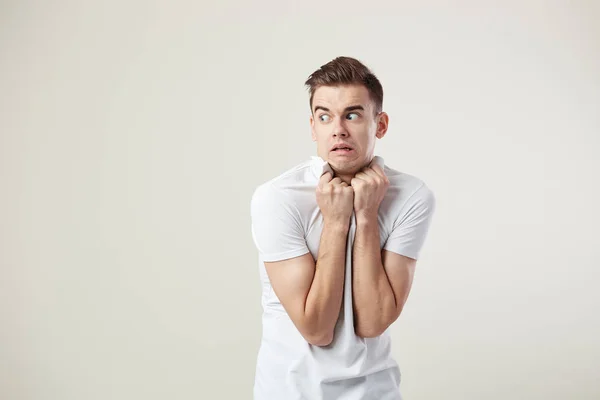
287 223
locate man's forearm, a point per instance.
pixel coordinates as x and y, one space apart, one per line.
374 300
324 298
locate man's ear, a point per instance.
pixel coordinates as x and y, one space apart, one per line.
312 128
383 121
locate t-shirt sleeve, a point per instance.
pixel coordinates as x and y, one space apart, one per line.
411 227
277 229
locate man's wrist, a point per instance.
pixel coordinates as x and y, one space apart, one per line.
366 218
337 225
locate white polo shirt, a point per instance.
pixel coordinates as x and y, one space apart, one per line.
287 223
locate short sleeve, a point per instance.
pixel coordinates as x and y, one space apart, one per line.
411 227
277 229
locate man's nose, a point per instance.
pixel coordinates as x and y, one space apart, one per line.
339 129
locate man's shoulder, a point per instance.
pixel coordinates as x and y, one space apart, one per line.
408 186
402 180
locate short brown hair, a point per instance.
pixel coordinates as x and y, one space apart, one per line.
346 71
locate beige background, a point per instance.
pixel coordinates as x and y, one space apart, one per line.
132 135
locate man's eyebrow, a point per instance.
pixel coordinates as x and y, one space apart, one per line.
350 108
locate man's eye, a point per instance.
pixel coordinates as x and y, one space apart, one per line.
352 116
324 117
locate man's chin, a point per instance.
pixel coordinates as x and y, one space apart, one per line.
344 162
341 169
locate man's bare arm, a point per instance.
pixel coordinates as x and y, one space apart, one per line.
312 294
381 280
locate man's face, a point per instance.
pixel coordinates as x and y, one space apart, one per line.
345 116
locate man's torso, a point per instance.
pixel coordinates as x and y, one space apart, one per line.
351 367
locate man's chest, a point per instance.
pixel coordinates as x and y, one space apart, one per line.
314 223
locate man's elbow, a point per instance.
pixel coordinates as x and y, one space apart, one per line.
369 331
320 339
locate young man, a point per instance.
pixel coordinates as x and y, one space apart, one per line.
338 237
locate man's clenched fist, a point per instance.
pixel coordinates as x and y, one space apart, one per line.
335 199
370 186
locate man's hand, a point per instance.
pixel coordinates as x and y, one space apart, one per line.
335 199
370 186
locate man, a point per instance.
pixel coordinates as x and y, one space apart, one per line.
338 237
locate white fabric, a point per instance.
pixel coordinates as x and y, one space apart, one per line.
287 223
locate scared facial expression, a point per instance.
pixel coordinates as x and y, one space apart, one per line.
345 126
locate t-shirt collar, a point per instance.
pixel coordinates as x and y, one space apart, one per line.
320 166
